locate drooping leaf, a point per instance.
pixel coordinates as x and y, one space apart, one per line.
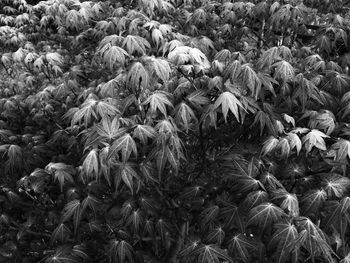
284 71
91 164
144 132
242 246
126 145
158 101
314 139
228 101
212 254
283 236
136 44
264 215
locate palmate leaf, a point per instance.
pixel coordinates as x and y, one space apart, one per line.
270 181
267 58
198 99
283 71
120 251
342 150
108 129
346 259
264 215
138 76
242 247
209 215
338 213
289 202
294 142
126 145
228 101
135 220
144 132
267 81
114 55
315 240
73 209
91 202
212 254
233 70
254 199
251 79
306 90
283 147
136 44
61 172
86 112
283 236
215 236
185 115
158 100
269 145
312 200
91 164
60 234
160 68
127 174
62 255
232 217
322 120
314 139
335 185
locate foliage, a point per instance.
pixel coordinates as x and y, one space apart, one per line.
174 131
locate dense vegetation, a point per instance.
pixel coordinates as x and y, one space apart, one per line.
174 131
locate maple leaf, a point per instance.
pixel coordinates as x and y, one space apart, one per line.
127 174
314 139
336 185
267 58
251 79
254 199
120 251
284 147
108 129
160 67
138 76
144 132
264 215
198 99
283 236
289 202
90 164
208 215
124 144
314 239
73 209
61 172
342 150
54 59
158 100
294 142
233 70
241 246
212 254
228 101
283 70
135 44
215 236
114 55
269 145
185 115
312 200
